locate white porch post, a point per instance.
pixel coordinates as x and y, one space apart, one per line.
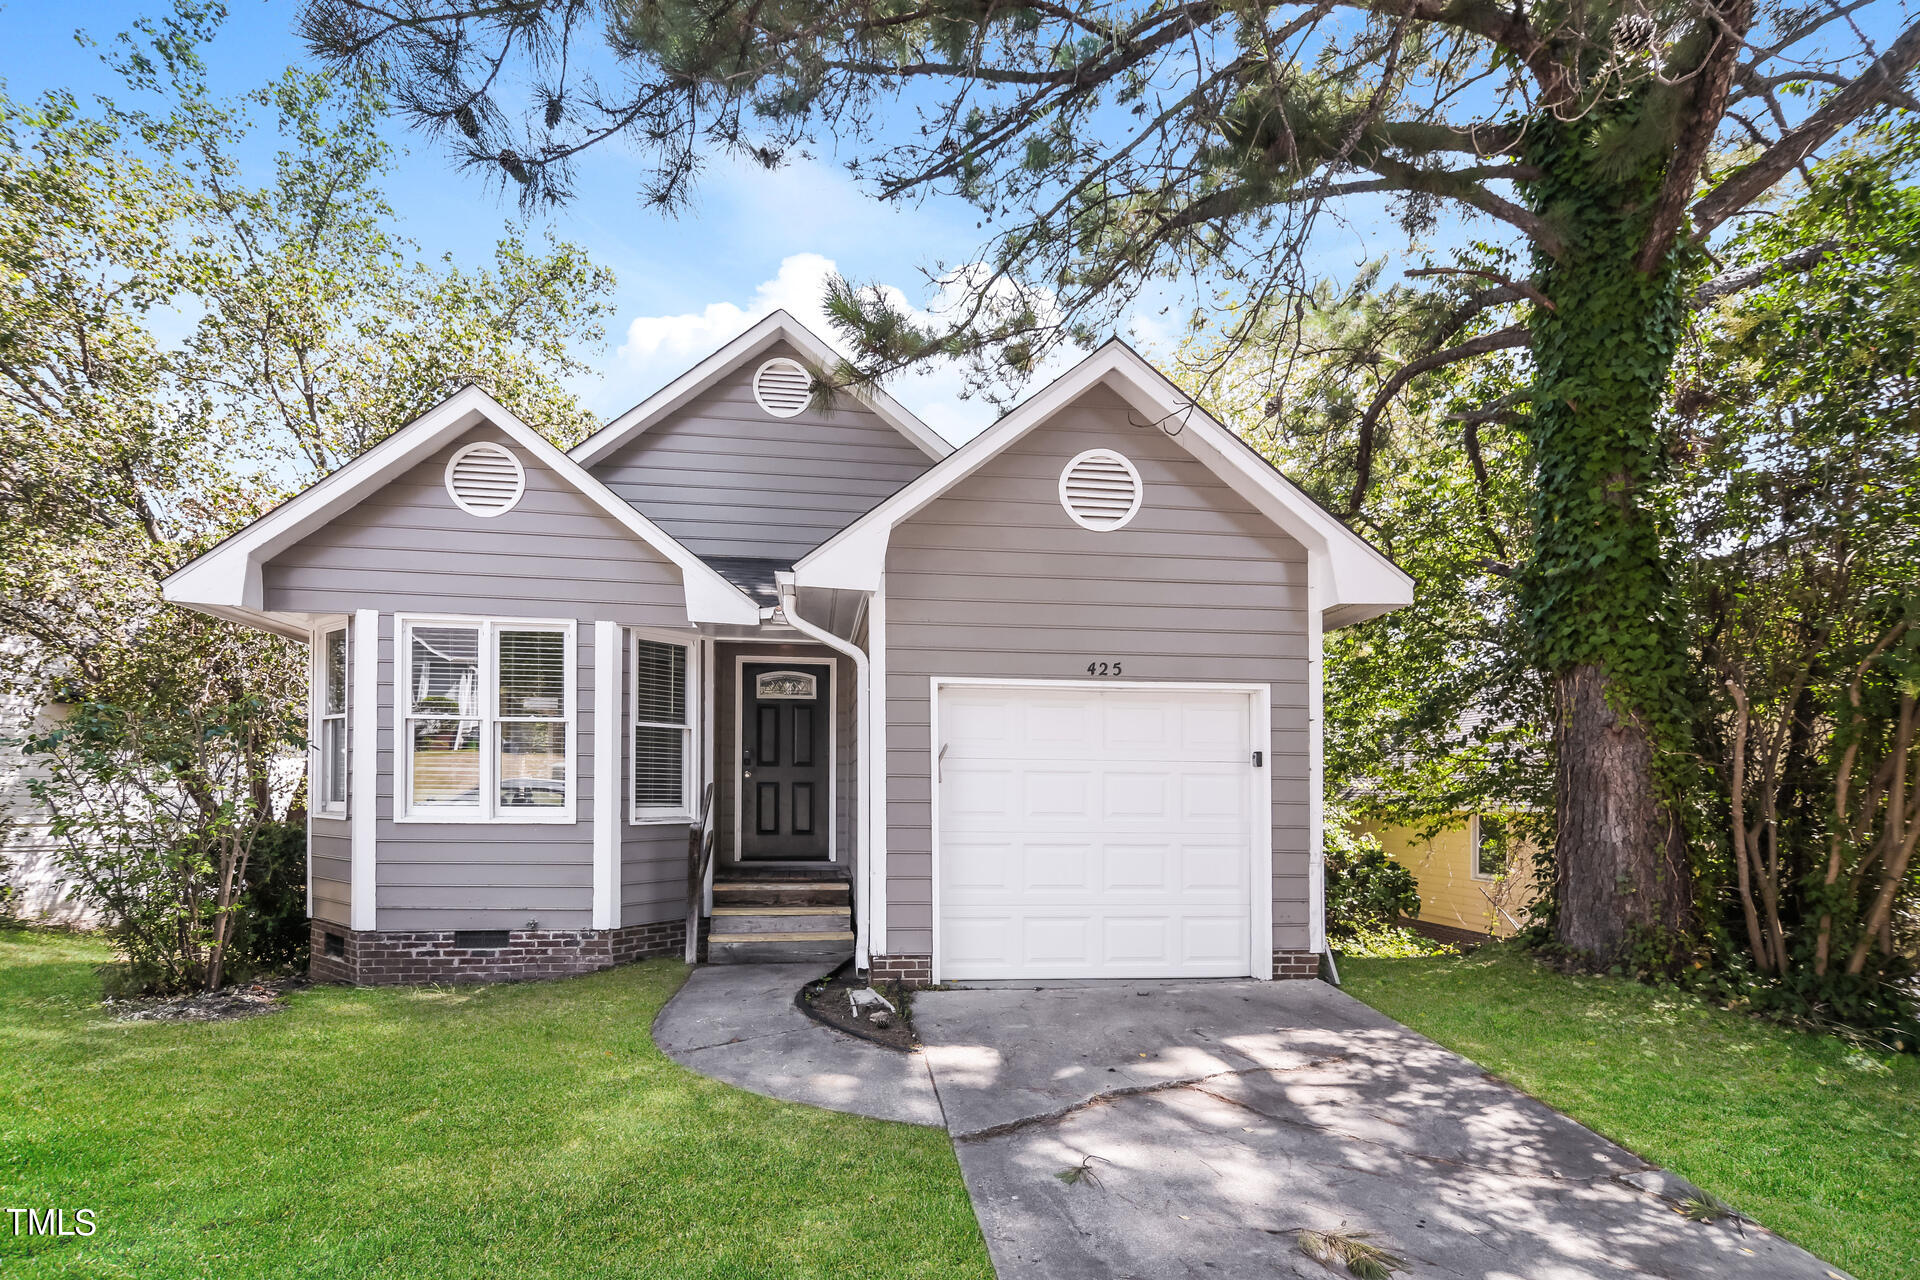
365 771
606 775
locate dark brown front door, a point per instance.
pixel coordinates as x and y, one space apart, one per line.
784 759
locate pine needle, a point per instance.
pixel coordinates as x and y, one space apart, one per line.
1352 1250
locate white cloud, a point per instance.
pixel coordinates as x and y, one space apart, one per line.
800 287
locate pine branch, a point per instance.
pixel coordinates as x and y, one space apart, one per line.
1739 188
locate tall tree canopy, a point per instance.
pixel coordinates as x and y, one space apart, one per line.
182 342
1111 145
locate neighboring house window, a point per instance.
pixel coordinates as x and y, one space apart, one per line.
330 739
1490 852
488 710
662 731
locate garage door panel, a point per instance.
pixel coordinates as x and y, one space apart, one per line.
1095 833
1213 869
1214 796
1062 722
1137 868
1144 942
973 866
1063 868
1055 794
1136 795
975 791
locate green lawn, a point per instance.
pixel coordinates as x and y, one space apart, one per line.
1811 1137
498 1133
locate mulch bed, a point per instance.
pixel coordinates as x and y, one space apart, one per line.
830 1000
242 1000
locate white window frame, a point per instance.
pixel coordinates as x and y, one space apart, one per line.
1473 852
487 810
318 717
639 815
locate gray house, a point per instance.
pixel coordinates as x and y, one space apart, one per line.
1045 706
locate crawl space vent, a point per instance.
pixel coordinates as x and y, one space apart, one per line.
782 387
485 479
1100 490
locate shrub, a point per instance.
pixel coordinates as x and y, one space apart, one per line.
1366 890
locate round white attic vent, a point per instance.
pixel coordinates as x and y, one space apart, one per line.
782 387
485 479
1100 490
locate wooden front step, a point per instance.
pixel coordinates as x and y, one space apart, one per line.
780 893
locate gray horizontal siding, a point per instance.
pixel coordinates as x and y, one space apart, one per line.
330 857
729 479
993 579
408 548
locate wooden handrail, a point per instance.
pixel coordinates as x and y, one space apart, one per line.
699 857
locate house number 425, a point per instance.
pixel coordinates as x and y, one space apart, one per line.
1103 668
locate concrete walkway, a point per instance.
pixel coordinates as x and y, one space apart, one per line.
738 1023
1218 1119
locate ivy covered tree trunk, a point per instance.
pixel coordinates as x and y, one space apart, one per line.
1598 588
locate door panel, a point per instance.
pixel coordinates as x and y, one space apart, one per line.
786 710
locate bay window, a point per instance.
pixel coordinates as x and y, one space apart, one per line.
663 742
487 712
329 782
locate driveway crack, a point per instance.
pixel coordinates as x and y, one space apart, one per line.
1132 1091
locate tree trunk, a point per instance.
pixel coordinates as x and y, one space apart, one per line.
1620 864
1598 592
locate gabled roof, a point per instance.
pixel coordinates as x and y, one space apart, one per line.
776 328
1359 582
226 581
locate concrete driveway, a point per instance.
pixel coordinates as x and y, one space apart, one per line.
1218 1119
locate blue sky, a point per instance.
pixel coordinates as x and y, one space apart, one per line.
754 239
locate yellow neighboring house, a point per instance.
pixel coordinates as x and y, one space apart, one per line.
1473 876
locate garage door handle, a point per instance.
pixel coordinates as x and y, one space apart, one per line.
940 763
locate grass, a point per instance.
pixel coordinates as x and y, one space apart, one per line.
1815 1139
514 1131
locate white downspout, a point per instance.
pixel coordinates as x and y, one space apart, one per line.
863 750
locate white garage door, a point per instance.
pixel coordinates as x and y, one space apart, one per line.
1095 832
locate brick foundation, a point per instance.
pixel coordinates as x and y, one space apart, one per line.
370 959
917 971
1296 964
908 971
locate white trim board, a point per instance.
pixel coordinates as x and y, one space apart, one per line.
1260 731
363 768
778 327
226 580
832 664
609 652
1361 582
695 769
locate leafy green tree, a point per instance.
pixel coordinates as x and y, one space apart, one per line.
1113 146
312 328
1797 425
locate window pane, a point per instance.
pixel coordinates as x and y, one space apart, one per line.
1491 853
333 761
336 676
660 682
446 762
533 765
659 756
533 673
444 665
